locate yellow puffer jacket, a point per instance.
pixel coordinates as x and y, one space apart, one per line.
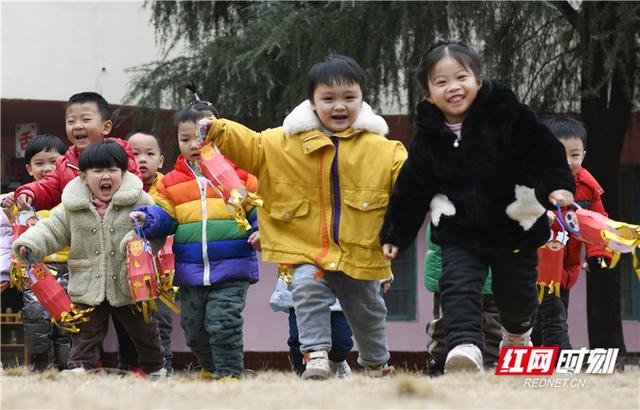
324 196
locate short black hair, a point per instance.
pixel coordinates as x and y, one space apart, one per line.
89 96
145 132
104 155
564 128
44 142
189 115
336 69
459 51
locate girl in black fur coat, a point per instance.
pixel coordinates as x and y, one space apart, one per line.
486 168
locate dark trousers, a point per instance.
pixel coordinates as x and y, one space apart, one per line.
514 289
127 355
491 328
86 345
212 322
604 311
551 327
341 342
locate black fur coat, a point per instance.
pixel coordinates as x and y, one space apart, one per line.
490 192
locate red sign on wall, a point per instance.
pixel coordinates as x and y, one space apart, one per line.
24 134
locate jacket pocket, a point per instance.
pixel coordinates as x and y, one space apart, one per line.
286 211
80 276
363 216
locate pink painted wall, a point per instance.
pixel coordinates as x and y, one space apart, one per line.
266 330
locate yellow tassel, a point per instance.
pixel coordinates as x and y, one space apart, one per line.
540 292
145 313
167 301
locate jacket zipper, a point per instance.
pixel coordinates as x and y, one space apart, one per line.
203 215
202 184
335 184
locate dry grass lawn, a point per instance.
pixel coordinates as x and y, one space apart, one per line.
273 390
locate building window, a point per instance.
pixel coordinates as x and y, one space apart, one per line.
629 180
401 298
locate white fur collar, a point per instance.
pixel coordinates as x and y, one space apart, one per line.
76 194
303 118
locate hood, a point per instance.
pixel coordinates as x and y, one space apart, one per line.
303 118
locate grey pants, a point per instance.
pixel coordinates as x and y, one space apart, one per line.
212 322
361 303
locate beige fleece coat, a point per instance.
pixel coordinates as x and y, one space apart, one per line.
97 254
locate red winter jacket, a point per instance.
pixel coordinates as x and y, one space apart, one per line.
47 192
588 195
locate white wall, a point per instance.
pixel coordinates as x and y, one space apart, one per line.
51 50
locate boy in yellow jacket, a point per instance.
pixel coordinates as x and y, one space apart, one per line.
325 176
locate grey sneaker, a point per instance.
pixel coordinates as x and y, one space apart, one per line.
317 365
158 375
340 369
465 357
515 339
78 371
383 371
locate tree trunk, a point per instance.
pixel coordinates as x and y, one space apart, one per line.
606 111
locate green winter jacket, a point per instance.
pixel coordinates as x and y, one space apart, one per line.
433 267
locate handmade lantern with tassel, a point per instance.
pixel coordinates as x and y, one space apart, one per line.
54 299
142 274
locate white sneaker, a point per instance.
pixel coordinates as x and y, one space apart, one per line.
158 375
465 357
340 369
317 365
78 371
515 339
383 371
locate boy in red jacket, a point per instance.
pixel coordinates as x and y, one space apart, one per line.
87 121
551 320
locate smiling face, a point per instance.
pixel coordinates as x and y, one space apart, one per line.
574 148
337 105
147 153
42 163
188 141
103 182
85 125
452 88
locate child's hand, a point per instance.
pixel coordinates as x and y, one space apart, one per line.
551 216
139 217
24 251
385 285
389 251
8 200
23 202
254 240
561 197
203 125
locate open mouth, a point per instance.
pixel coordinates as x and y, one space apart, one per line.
456 99
80 137
339 117
105 188
143 169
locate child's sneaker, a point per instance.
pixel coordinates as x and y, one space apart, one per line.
464 357
317 365
158 375
205 375
383 370
515 339
78 371
340 369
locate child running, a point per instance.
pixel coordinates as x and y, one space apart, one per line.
326 177
93 221
149 159
551 327
487 169
215 261
87 121
46 343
